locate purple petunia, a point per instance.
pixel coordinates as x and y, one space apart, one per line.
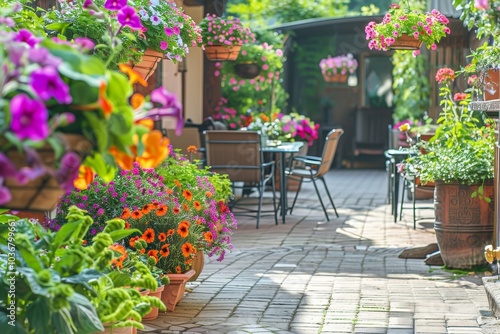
47 84
24 35
29 118
115 4
5 195
128 17
68 171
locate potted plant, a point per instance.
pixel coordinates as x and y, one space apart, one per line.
63 285
338 68
63 115
161 30
404 29
223 37
459 158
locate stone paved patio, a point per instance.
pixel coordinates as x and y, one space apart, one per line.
342 276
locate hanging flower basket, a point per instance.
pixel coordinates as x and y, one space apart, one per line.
247 70
147 67
41 194
342 78
406 42
222 52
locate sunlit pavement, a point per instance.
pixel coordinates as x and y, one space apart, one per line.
341 276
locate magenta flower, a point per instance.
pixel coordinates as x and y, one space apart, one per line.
43 57
47 84
129 18
29 118
168 31
7 168
5 195
170 107
27 37
68 170
163 45
115 4
85 44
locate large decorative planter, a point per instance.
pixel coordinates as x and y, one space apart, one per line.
491 84
154 311
222 52
247 71
335 77
197 265
174 291
406 42
492 288
150 60
42 194
464 225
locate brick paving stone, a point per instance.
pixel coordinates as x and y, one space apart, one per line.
342 276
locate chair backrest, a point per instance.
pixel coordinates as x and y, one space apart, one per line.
331 144
236 153
188 137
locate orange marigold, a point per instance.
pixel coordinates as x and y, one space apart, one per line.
185 207
187 195
137 214
208 237
162 237
149 235
197 205
165 250
177 183
178 269
162 210
176 210
183 229
188 249
121 250
153 253
132 241
170 191
192 149
208 194
125 213
170 232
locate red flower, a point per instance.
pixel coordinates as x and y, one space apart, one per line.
445 74
459 96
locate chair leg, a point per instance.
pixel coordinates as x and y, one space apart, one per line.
296 195
402 199
329 196
261 191
414 189
273 185
320 200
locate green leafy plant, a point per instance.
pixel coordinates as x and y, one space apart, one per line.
63 286
462 150
428 28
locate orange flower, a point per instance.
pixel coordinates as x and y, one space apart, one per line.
121 250
127 225
264 118
188 249
146 209
123 160
165 250
149 235
105 104
153 253
133 76
137 214
178 269
85 178
155 205
208 237
176 210
187 195
197 205
162 237
117 263
183 229
198 221
185 207
148 123
132 241
170 232
188 261
192 149
208 194
155 149
137 100
177 183
162 210
125 213
170 191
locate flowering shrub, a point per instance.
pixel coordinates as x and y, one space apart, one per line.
159 201
428 28
224 31
342 64
462 148
51 88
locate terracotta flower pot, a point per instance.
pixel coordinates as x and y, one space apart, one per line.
154 312
222 52
174 291
406 42
335 77
150 60
118 330
197 265
42 194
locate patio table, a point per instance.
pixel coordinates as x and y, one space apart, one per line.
281 150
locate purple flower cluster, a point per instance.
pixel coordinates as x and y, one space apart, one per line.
224 31
343 64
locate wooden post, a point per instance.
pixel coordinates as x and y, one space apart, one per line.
211 83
